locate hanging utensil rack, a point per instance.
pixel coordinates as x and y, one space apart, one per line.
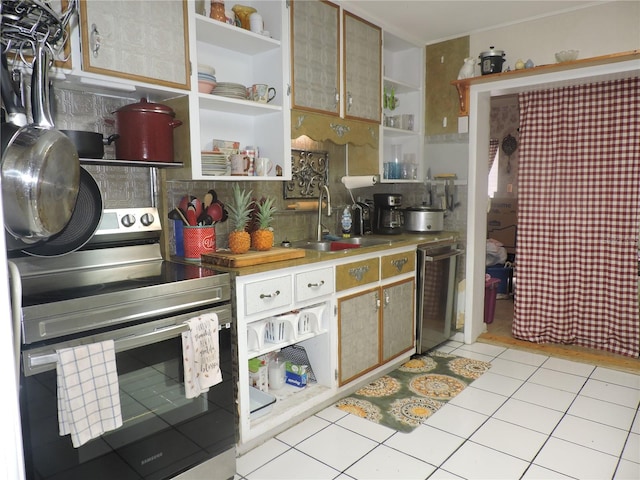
28 23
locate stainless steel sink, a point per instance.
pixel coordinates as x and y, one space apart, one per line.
321 246
364 241
335 245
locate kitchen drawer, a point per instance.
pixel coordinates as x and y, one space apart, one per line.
398 263
314 284
354 274
267 294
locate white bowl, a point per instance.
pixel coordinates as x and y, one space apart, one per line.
567 55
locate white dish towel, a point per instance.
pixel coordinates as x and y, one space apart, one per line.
88 391
201 354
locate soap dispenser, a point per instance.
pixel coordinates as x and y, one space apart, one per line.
346 222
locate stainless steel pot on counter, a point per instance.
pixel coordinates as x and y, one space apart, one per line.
146 132
423 219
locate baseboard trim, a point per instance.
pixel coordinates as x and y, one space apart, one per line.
604 359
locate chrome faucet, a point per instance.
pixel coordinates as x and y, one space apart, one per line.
324 189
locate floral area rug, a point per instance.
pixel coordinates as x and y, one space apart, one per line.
406 397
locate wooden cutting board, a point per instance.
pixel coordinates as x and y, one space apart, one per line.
252 257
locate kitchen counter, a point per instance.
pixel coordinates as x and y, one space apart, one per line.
313 256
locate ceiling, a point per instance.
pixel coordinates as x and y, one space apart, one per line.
431 21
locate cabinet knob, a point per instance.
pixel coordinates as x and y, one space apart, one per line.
315 285
358 272
399 263
270 295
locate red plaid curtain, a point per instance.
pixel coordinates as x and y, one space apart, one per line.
579 216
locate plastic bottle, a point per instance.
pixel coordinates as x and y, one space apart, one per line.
346 222
276 372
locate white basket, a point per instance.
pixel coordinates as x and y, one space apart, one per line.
309 320
278 329
256 335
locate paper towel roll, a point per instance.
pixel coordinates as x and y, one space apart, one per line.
360 181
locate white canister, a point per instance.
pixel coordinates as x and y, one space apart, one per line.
255 23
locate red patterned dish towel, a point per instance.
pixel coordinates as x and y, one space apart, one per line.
201 355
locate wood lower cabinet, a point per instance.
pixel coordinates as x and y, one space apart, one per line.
376 323
398 311
358 334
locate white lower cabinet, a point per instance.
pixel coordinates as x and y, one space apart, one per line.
275 310
295 311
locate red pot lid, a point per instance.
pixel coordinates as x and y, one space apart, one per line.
145 106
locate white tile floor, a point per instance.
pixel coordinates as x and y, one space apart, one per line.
530 417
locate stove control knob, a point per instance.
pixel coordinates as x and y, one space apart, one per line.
147 219
128 220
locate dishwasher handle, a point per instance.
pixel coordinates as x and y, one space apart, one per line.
449 254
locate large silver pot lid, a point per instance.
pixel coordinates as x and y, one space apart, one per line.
493 52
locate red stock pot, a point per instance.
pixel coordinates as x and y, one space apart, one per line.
146 132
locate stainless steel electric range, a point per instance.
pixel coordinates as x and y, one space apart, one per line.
119 287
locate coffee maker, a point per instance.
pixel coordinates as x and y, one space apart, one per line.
388 216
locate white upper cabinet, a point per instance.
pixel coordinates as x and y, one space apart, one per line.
243 58
402 136
141 41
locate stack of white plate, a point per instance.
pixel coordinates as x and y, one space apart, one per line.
231 90
215 163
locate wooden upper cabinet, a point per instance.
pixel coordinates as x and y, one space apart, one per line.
362 69
315 46
142 41
317 82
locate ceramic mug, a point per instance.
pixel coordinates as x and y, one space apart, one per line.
262 93
264 167
239 164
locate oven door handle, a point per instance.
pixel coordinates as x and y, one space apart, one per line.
436 258
128 342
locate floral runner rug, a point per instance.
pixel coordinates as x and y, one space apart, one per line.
406 397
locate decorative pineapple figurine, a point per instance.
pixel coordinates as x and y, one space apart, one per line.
262 238
239 214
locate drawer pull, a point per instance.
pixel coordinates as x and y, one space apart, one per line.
315 285
399 263
358 272
270 295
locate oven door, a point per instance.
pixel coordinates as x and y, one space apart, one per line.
163 432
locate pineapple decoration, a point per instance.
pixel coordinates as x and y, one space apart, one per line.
262 237
239 215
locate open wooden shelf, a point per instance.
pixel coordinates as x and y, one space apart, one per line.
463 85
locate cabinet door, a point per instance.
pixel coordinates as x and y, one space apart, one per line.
358 335
144 41
315 47
398 306
362 68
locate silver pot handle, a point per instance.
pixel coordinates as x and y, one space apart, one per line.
40 86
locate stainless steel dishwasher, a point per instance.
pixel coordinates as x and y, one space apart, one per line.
435 294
